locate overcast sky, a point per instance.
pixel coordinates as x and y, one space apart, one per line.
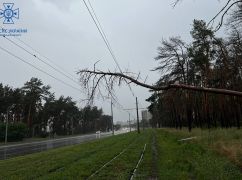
63 31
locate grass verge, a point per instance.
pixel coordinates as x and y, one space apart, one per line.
69 162
226 142
165 158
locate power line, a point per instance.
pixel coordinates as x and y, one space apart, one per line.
122 108
133 109
104 37
101 28
36 51
33 66
35 56
48 59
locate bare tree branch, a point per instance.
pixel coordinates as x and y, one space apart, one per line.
219 12
175 3
113 76
224 13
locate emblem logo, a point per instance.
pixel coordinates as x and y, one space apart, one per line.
8 13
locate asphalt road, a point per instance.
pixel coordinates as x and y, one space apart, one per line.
9 151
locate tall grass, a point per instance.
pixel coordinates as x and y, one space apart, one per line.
227 142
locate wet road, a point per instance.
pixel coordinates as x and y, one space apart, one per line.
29 148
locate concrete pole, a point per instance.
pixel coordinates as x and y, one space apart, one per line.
129 124
143 124
112 116
72 127
137 109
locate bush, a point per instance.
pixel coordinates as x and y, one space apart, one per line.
43 134
16 132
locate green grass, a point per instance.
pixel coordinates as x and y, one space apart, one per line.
74 161
123 166
164 158
149 166
167 158
226 142
182 160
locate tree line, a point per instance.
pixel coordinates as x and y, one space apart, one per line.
37 108
207 61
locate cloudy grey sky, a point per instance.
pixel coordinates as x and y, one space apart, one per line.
63 31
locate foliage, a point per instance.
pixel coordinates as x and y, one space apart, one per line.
43 114
16 132
208 61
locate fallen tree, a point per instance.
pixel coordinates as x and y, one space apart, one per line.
92 79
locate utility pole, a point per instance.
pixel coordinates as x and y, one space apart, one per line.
112 115
143 124
137 109
6 130
72 127
129 123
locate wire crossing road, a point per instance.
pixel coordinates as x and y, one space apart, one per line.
29 148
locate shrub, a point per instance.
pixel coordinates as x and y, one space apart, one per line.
43 134
16 131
